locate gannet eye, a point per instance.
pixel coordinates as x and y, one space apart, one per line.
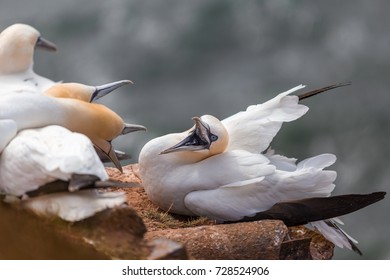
213 137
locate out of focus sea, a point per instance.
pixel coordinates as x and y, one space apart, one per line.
189 58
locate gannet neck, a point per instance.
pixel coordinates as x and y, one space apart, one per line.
31 110
17 43
158 173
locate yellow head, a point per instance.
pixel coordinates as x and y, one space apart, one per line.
84 92
206 138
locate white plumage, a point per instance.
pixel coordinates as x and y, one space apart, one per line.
36 157
217 168
253 130
17 45
39 156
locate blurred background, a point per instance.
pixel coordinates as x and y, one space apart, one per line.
188 58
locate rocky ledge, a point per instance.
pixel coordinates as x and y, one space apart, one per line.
142 231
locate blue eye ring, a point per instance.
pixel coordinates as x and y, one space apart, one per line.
213 137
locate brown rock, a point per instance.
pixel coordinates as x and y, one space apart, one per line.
233 241
114 233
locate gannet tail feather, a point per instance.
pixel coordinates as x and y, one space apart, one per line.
87 181
331 231
303 211
76 183
321 213
320 90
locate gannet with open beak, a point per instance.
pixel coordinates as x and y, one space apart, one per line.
17 45
34 161
217 168
96 121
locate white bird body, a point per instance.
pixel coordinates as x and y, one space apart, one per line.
96 121
217 169
67 105
17 45
39 156
27 82
36 157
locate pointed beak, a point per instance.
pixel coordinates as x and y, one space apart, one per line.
132 128
197 140
109 151
44 44
119 154
107 88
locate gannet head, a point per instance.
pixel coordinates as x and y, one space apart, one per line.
99 123
207 137
84 92
17 45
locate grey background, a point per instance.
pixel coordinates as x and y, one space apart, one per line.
188 58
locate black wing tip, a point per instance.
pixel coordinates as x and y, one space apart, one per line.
323 89
355 248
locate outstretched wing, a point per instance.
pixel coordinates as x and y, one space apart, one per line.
253 130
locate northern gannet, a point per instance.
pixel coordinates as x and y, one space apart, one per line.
90 94
224 170
99 123
17 45
38 158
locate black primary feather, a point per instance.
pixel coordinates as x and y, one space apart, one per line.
320 90
300 212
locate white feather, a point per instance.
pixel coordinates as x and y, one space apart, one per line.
17 45
39 156
253 130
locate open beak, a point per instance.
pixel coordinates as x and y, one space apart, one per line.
197 140
107 88
44 44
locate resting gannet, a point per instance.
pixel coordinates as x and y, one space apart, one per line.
17 45
223 169
37 157
99 123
